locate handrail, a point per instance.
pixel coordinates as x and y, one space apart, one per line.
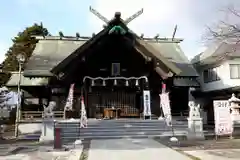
39 114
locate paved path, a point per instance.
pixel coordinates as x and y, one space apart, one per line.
132 149
219 154
44 153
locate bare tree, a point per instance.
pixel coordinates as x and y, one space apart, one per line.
229 28
225 30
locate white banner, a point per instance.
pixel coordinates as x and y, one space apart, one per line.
222 116
146 103
83 119
165 104
69 103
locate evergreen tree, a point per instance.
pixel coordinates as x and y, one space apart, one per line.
3 96
23 43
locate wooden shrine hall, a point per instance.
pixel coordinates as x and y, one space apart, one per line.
111 70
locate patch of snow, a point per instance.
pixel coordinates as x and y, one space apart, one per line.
30 128
78 142
173 139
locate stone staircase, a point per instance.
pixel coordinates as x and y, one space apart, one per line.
121 128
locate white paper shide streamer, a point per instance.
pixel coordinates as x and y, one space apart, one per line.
83 119
165 104
69 104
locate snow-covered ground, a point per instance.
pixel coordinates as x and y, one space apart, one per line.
45 153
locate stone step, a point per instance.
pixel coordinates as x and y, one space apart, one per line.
128 121
120 133
162 134
111 126
97 128
119 128
87 130
113 121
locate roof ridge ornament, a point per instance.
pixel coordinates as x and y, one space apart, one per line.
61 34
174 32
117 15
99 15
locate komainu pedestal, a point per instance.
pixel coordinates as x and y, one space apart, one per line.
47 134
195 122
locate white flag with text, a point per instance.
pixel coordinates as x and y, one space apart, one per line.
69 103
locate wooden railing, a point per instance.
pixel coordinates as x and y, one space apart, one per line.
38 115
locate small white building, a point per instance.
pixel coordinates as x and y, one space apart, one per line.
219 74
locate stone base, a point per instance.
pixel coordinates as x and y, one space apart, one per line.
195 129
47 134
195 136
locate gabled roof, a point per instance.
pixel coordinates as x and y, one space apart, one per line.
54 53
49 53
141 45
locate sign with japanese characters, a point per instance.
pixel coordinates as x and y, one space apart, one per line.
222 116
146 103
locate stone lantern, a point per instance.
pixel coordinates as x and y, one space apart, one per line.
234 106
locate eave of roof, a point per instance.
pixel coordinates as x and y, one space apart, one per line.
150 50
25 81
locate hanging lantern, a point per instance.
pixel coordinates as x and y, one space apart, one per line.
93 83
137 83
115 82
104 83
127 84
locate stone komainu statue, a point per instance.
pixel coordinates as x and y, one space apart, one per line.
48 111
194 110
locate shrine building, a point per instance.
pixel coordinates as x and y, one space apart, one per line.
109 69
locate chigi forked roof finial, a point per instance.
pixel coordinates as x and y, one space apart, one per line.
117 15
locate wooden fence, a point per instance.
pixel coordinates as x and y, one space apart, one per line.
34 116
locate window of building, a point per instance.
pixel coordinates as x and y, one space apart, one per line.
210 75
116 69
235 71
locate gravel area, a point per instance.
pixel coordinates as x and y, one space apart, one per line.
208 144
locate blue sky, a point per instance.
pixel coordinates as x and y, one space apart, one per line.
71 16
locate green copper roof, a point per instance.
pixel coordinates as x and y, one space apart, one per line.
25 81
174 53
49 53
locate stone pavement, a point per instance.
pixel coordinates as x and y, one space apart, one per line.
222 149
223 154
132 149
44 153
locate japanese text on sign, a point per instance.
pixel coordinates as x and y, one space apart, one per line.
222 116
